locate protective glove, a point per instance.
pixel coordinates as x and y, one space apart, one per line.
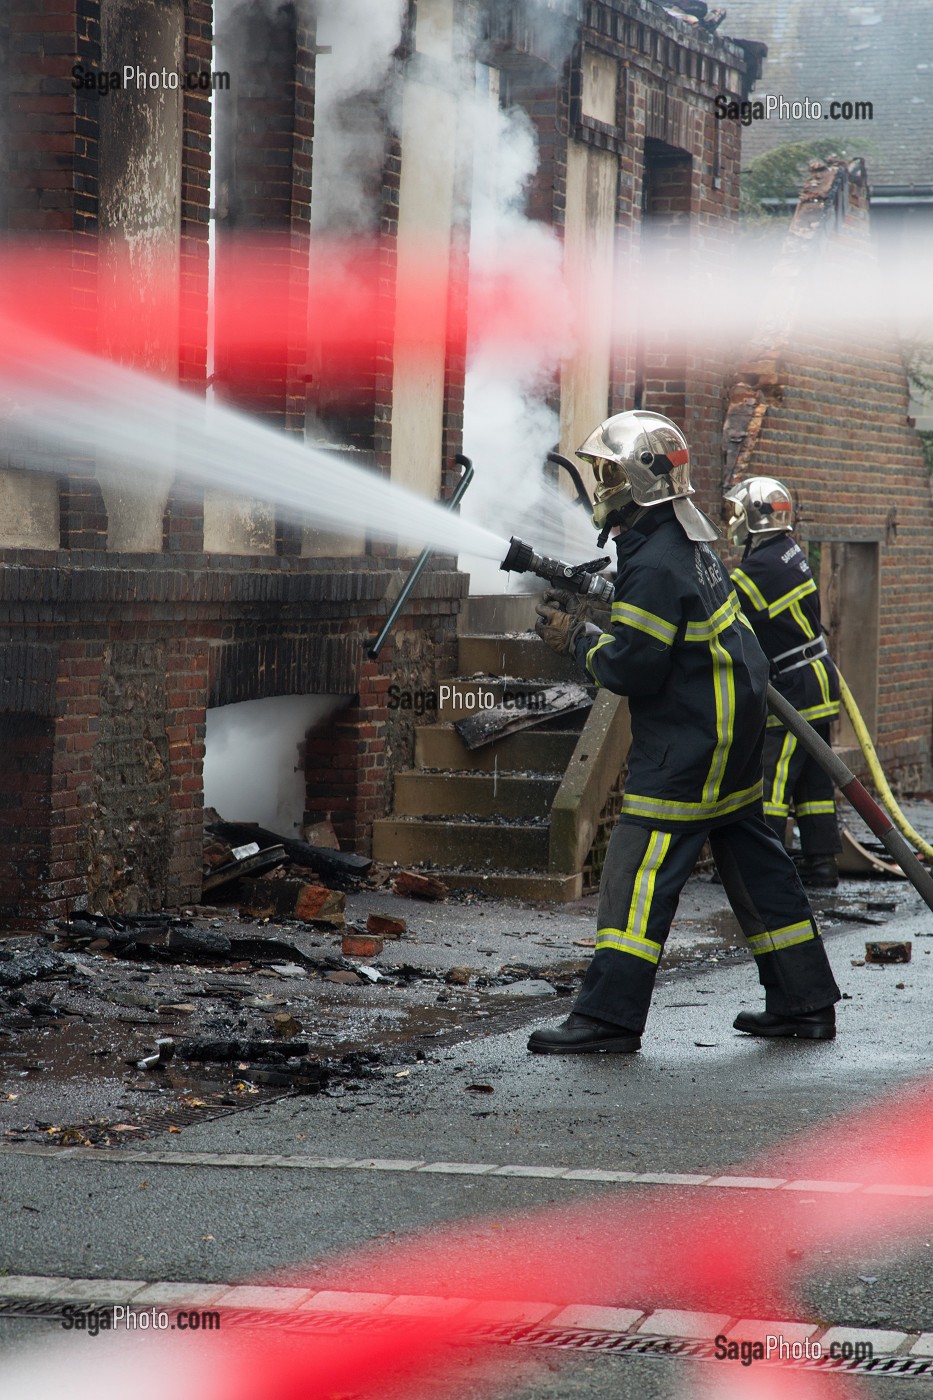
580 607
558 628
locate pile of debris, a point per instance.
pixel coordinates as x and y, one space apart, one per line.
277 877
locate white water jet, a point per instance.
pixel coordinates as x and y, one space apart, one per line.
59 399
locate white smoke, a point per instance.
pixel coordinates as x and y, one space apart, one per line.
509 426
252 758
350 109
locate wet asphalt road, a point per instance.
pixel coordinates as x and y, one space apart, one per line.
699 1098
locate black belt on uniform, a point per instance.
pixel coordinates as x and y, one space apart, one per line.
798 656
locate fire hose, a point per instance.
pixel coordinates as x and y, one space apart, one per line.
888 800
583 579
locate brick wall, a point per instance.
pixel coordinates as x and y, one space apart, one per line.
828 416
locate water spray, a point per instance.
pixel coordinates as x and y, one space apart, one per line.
583 579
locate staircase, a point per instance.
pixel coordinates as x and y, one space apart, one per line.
505 817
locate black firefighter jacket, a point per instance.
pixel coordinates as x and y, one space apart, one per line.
695 677
781 601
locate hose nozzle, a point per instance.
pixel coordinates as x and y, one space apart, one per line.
577 578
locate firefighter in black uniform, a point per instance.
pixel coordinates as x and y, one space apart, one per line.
696 681
780 599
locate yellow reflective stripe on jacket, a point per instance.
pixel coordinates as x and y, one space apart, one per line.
826 711
792 597
802 621
776 939
665 809
722 618
647 622
758 600
816 809
632 939
724 694
606 637
823 679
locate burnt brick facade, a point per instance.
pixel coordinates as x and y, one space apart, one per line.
111 659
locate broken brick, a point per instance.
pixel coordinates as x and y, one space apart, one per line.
294 899
888 952
409 882
357 944
384 927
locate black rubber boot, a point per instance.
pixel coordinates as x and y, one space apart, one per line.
583 1035
815 1025
819 872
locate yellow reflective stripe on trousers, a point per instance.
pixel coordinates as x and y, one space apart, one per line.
665 809
632 939
815 809
776 803
724 692
643 621
775 939
829 710
759 601
722 618
606 637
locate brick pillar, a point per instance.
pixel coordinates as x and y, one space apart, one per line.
183 522
77 709
185 722
52 183
345 762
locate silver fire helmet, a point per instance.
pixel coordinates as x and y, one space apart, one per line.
643 457
760 505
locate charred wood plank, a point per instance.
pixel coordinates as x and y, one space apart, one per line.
489 725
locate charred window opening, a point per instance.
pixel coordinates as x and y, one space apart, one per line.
26 757
660 375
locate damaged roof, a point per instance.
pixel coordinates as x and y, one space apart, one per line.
879 51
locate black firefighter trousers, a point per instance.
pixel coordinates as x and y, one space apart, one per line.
643 876
791 776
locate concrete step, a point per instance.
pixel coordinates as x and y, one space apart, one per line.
537 750
498 612
461 698
524 656
411 841
473 795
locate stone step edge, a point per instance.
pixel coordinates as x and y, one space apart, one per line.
672 1324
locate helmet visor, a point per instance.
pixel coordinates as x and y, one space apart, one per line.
736 520
613 489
